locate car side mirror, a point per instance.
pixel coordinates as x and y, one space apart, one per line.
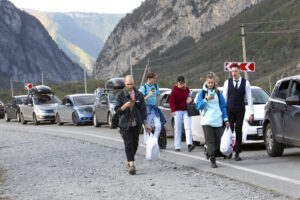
293 100
103 102
166 105
68 104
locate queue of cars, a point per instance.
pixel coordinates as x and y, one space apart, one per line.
276 121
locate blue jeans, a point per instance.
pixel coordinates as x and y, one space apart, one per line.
157 125
179 115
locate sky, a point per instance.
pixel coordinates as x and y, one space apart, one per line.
98 6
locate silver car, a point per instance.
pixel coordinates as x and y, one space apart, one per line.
76 109
39 106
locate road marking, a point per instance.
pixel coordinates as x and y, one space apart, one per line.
273 176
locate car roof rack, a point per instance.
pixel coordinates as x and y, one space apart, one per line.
115 83
40 89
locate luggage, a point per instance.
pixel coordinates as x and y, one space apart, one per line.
40 89
115 83
162 139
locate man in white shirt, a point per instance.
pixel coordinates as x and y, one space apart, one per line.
235 91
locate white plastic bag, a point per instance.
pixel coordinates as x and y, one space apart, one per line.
152 150
227 142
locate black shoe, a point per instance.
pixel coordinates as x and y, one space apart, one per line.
131 170
237 157
178 150
229 157
213 162
191 147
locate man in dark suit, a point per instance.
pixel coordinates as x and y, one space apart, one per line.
235 91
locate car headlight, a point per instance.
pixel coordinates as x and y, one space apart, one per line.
41 112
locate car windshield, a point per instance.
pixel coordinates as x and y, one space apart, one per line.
20 100
112 96
259 96
84 100
194 93
45 99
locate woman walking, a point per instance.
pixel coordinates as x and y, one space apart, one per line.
178 99
213 111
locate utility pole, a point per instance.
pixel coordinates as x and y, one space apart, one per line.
130 66
244 47
142 81
12 87
270 84
42 78
85 85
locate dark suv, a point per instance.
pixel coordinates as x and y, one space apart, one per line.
282 116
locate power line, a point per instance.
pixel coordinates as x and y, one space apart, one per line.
274 32
270 22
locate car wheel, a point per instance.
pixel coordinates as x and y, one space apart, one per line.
6 117
35 121
109 121
18 116
22 119
58 122
74 119
274 148
95 121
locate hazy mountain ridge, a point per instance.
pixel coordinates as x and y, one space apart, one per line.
80 35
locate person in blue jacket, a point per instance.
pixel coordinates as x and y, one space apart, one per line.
213 112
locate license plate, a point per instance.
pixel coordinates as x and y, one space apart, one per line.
260 132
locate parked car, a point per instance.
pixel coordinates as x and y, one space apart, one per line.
12 108
252 133
1 110
282 116
40 105
103 109
76 109
165 108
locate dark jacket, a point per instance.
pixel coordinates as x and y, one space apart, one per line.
139 109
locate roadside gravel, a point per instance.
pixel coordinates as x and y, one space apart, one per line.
39 166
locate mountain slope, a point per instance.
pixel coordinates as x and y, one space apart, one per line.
159 25
276 54
26 49
80 35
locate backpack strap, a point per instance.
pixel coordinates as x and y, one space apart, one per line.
204 93
155 85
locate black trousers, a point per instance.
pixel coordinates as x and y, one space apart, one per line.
236 119
212 137
131 141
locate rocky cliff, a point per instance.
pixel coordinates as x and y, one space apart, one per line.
159 25
26 49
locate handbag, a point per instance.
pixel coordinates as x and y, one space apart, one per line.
191 109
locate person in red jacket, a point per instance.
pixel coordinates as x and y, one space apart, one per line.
179 97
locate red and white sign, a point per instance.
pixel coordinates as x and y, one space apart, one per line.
245 66
28 86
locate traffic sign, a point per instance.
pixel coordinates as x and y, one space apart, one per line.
28 86
245 66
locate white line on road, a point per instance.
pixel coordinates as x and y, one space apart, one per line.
274 176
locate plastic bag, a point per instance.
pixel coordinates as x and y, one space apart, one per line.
227 142
152 150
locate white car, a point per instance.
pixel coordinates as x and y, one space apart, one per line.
252 133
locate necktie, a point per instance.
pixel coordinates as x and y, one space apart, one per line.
236 84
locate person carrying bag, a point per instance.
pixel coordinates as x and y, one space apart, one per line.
213 111
179 99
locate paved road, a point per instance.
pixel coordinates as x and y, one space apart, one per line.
257 168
